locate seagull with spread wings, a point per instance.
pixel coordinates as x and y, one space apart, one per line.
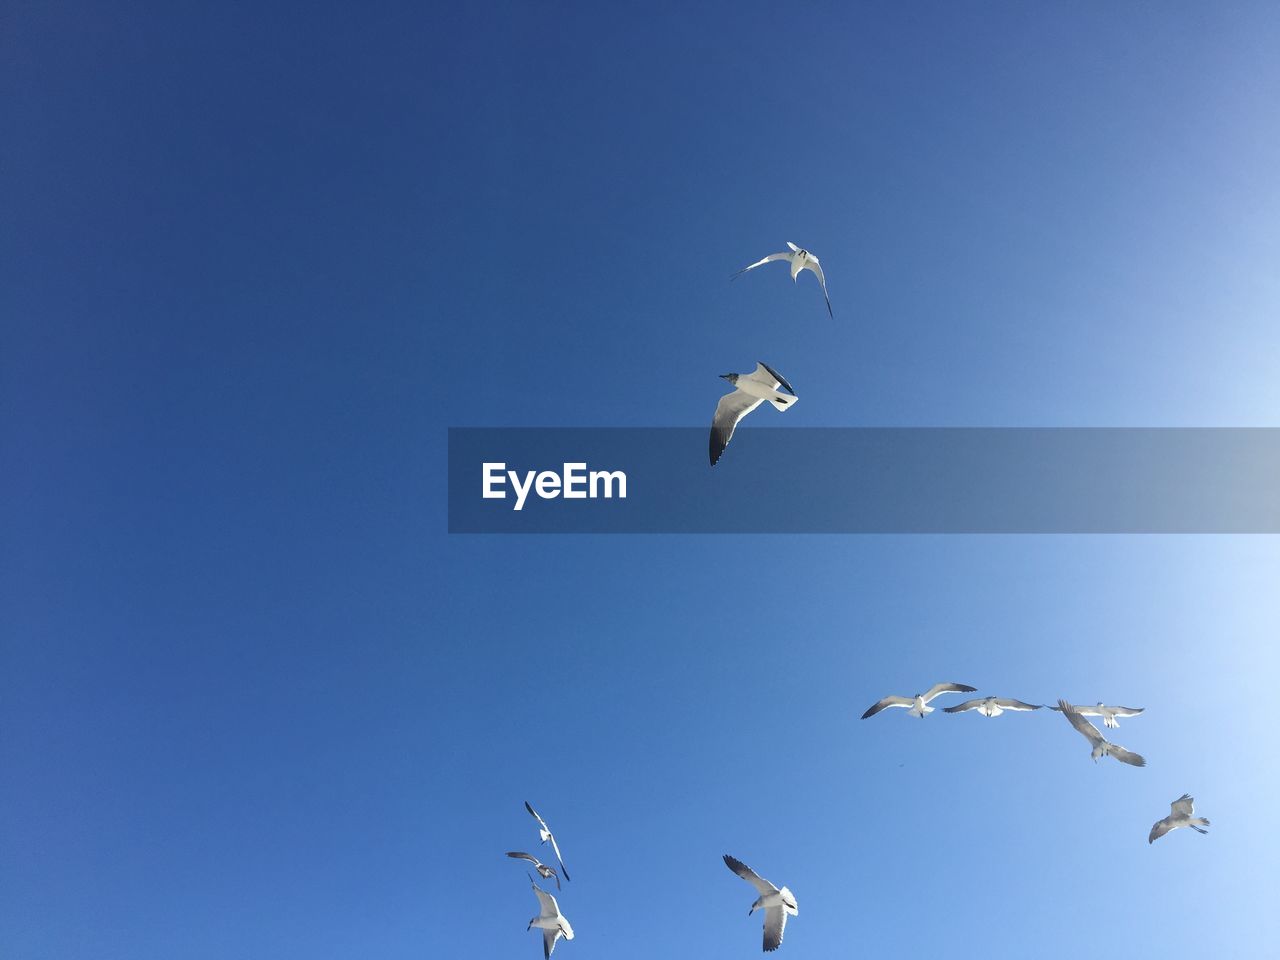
1180 815
776 903
1108 714
550 920
800 259
547 836
918 705
544 871
1101 746
752 390
991 706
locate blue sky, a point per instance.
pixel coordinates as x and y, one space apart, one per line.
255 702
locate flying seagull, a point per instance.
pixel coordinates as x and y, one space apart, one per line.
918 705
545 833
991 706
775 903
799 259
1180 815
545 872
1101 746
752 390
550 920
1108 714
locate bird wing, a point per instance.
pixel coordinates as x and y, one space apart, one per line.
760 263
1126 756
1159 829
770 377
816 267
1083 709
549 906
775 921
940 688
534 813
1127 711
1184 806
731 408
559 859
962 707
749 875
1087 729
519 855
549 938
794 248
1011 704
890 701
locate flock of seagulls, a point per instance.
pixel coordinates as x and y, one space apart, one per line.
752 389
778 903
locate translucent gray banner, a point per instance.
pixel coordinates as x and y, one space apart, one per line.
875 480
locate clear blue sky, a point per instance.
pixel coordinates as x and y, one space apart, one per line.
254 260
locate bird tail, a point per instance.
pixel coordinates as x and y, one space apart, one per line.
1199 823
782 401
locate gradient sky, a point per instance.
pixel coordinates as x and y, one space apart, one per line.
254 260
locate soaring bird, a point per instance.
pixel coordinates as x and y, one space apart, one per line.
1108 714
550 920
544 832
1101 746
918 705
775 903
799 259
752 390
544 871
991 706
1180 815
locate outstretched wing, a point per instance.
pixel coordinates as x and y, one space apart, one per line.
559 859
967 705
549 938
891 701
520 855
549 906
1184 806
534 813
939 688
1159 829
760 263
749 875
770 377
816 267
1125 756
1083 709
731 408
1087 729
1127 711
775 921
1011 704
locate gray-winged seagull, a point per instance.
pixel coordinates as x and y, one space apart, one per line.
1180 815
918 705
544 871
1108 714
775 903
549 920
1101 746
752 390
991 706
547 836
800 259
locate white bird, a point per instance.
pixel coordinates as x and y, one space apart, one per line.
1108 714
550 920
1180 815
752 390
991 706
800 259
544 871
544 832
775 903
1101 746
918 705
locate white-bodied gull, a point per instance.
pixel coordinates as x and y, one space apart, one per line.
776 903
800 259
991 706
1180 815
544 871
752 390
1108 714
1101 746
549 920
544 832
918 705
